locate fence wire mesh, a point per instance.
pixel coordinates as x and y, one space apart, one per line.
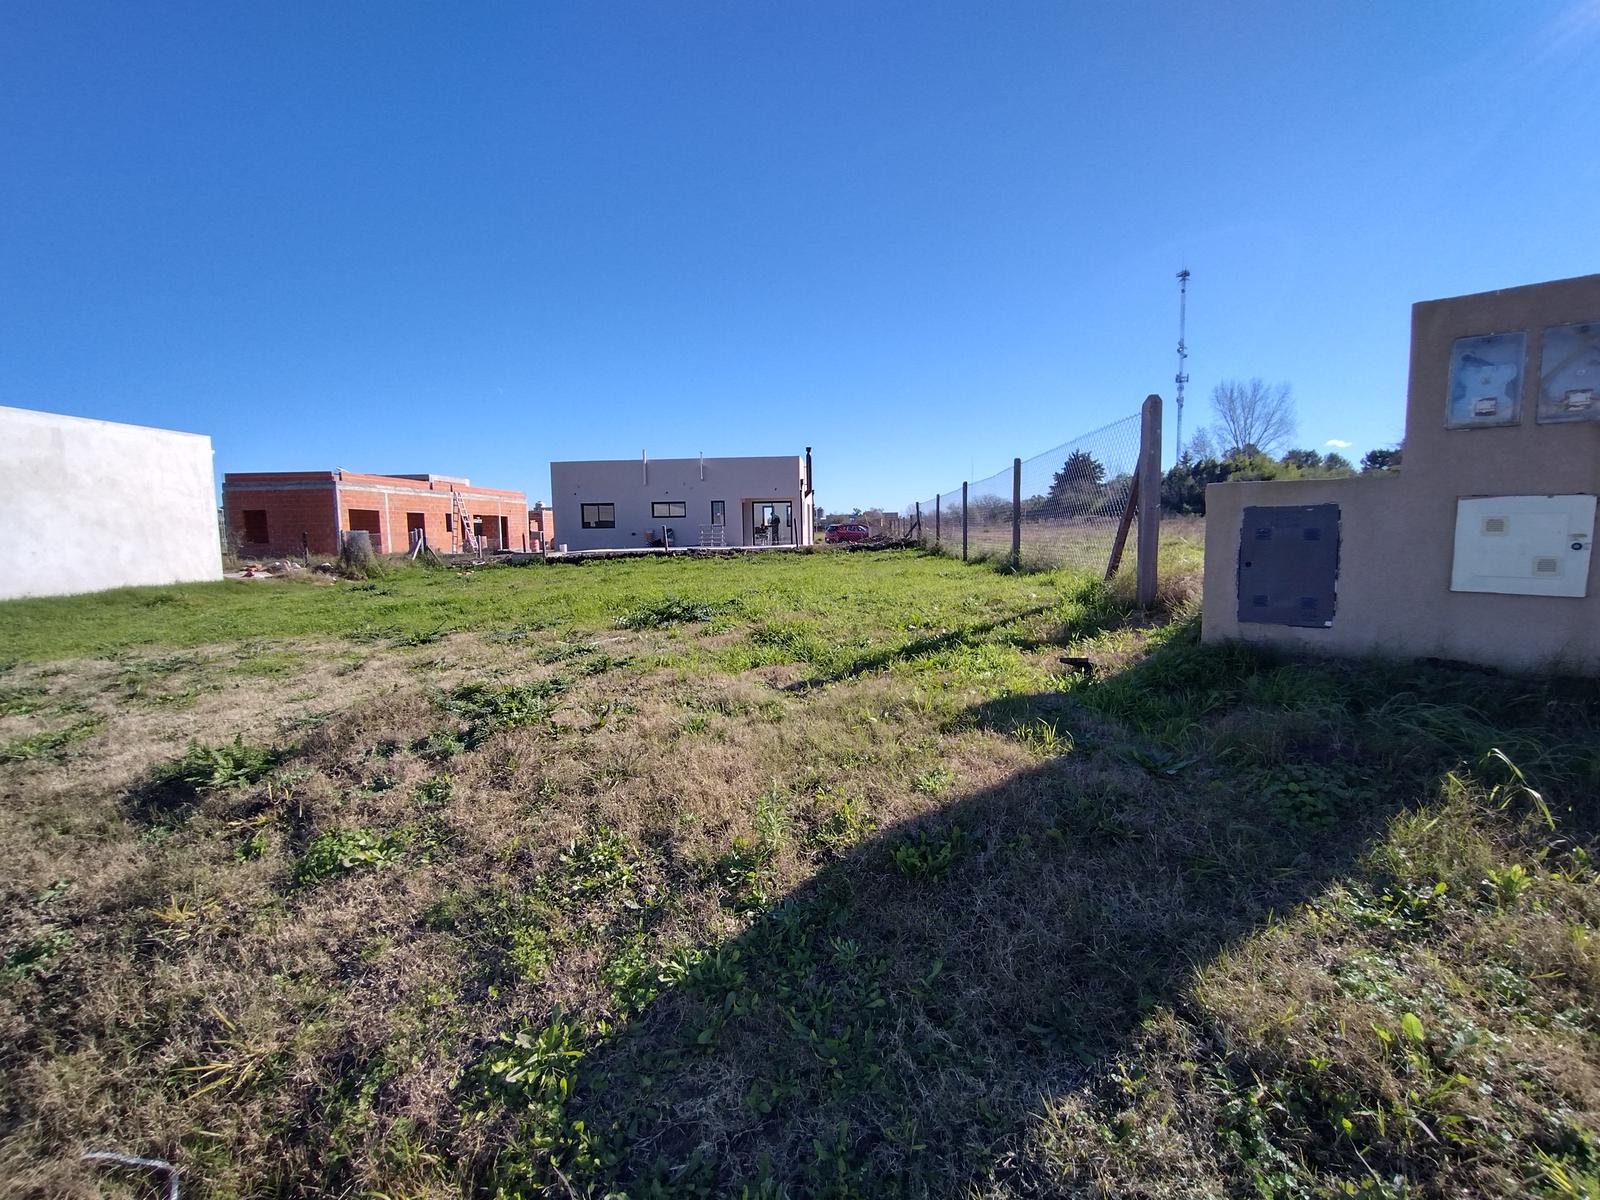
1073 497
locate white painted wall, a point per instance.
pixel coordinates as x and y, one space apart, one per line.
633 485
87 505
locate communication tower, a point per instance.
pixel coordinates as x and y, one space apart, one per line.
1182 376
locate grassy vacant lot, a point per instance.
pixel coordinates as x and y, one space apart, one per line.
1072 542
814 875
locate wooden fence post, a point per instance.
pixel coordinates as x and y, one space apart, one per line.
937 505
1149 500
1120 539
963 520
918 525
1016 513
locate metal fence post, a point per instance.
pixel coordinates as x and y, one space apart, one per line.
963 520
937 505
1016 513
1149 500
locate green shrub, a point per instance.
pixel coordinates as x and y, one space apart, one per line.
924 857
436 792
19 702
537 1062
486 707
212 768
839 819
439 745
591 868
35 954
46 745
341 851
1309 794
745 874
669 610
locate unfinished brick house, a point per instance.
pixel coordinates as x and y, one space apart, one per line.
277 513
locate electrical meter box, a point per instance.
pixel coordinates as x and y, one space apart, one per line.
1485 386
1523 545
1569 378
1289 564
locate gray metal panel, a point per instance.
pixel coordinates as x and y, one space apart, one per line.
1289 564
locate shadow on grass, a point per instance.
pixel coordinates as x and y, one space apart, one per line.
1093 607
866 664
889 1026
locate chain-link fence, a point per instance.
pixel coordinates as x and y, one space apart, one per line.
1060 508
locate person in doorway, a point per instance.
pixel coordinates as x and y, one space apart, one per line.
772 527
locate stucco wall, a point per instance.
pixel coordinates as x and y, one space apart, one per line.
633 486
1397 532
1393 590
87 505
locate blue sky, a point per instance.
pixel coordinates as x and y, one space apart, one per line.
920 238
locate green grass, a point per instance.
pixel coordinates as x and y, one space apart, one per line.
848 598
803 876
48 744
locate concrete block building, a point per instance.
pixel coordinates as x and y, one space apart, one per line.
1478 548
87 505
278 513
637 503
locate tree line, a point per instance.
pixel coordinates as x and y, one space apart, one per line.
1248 438
1183 488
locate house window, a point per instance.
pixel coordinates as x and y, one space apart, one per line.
369 520
449 522
599 516
719 512
255 526
668 508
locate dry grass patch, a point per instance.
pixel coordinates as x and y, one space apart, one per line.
838 885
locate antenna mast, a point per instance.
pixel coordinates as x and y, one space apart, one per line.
1182 376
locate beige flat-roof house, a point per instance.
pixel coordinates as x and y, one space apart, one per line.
1478 548
642 503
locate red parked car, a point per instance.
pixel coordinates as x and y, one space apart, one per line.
846 533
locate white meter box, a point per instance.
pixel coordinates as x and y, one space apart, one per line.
1523 545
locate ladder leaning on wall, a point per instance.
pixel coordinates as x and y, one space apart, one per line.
468 541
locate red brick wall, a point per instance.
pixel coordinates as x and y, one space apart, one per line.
541 529
303 503
393 507
290 513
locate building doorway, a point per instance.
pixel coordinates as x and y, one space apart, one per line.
490 532
769 523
